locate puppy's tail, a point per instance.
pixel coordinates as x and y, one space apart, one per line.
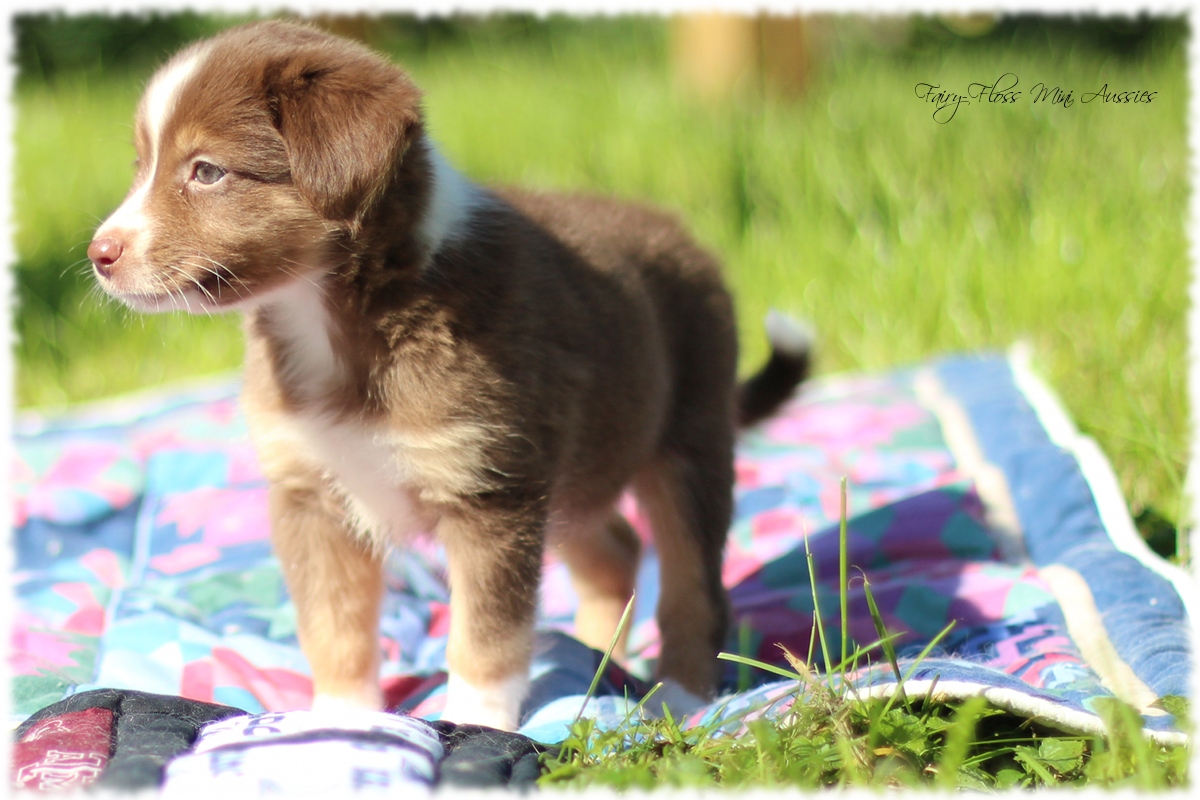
760 395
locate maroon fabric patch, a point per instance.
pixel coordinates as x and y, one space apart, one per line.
406 691
63 752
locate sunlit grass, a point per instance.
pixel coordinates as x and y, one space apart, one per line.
898 237
827 740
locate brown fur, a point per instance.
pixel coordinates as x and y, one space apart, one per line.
512 383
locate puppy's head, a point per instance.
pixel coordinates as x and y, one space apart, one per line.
260 154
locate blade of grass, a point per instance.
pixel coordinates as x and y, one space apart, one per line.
916 663
812 580
927 705
764 666
843 566
888 649
857 653
616 637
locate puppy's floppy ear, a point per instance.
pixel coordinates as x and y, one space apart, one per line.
347 117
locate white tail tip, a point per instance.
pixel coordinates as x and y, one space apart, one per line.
794 337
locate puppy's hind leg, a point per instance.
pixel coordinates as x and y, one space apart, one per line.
689 503
336 582
602 555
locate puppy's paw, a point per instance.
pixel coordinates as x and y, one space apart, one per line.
496 704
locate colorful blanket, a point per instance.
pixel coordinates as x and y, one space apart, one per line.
143 562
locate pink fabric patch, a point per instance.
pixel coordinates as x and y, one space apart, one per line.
775 521
439 619
20 512
185 557
243 465
196 683
88 621
32 649
82 463
277 689
105 565
846 425
746 473
223 412
226 516
150 442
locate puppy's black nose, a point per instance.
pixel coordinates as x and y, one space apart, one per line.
104 253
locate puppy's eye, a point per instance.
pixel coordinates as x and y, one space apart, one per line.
207 173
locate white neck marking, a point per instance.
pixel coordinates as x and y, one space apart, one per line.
453 197
298 317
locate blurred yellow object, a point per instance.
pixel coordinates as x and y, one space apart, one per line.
968 25
718 55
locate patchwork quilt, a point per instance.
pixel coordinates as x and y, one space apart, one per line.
144 573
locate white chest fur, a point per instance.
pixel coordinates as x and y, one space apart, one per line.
365 468
393 480
363 462
393 475
371 470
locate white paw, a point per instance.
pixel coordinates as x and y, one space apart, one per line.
496 705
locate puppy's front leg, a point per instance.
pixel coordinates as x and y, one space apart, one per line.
336 580
495 560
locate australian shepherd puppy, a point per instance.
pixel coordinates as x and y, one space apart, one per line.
426 354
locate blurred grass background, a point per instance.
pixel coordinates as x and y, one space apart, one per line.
841 200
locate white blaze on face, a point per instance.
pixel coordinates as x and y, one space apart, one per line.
138 282
157 106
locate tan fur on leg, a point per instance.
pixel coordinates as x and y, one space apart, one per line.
603 560
336 581
495 566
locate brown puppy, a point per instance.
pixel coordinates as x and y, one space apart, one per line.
424 354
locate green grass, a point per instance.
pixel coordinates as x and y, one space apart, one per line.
898 237
827 741
830 738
